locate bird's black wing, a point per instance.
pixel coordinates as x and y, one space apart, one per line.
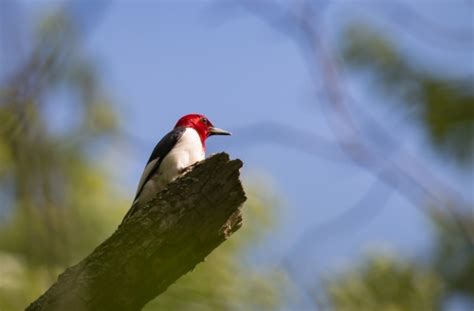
163 147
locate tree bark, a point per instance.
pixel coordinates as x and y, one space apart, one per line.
161 242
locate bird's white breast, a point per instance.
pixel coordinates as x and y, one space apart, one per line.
187 151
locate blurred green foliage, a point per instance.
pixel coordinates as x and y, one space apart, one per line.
453 254
385 283
388 282
445 106
57 203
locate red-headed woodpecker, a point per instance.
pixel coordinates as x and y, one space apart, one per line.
180 148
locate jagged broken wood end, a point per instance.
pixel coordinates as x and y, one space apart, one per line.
159 243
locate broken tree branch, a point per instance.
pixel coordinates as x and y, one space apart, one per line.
157 245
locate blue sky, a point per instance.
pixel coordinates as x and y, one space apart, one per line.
161 60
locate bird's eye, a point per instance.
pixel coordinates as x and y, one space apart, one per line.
205 121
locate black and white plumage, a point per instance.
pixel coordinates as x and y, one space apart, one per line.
180 148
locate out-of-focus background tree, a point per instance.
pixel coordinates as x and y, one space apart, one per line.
57 202
355 121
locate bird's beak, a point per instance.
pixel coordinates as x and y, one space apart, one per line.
218 131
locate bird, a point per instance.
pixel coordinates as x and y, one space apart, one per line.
183 146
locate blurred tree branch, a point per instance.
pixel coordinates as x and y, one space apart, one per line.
160 243
44 167
409 177
377 151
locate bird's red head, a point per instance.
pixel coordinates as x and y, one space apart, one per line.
201 124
